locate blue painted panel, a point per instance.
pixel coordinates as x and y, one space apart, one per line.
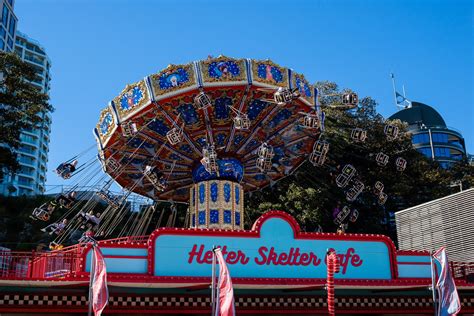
221 109
237 195
414 271
131 98
223 69
214 191
214 216
413 258
202 217
202 193
268 72
227 192
185 255
227 217
122 265
229 169
237 218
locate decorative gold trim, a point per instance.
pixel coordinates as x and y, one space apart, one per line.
284 71
145 99
219 205
111 126
295 75
204 65
169 70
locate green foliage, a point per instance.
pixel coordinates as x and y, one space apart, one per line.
20 104
311 193
20 232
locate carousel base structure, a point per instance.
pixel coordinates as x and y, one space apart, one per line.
275 268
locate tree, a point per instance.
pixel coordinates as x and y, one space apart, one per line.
20 104
311 193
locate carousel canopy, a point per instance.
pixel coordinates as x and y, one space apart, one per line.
221 118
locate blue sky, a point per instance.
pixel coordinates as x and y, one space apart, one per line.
98 46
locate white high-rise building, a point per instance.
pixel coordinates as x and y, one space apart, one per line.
8 26
33 151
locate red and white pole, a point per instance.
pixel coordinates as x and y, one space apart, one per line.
332 263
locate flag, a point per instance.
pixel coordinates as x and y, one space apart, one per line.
332 262
448 299
100 293
400 98
225 306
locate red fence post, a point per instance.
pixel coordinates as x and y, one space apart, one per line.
31 264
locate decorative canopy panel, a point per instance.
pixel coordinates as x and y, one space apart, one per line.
179 113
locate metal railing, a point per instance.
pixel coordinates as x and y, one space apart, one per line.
128 240
39 265
463 271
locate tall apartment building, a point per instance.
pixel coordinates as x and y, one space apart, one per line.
8 26
33 152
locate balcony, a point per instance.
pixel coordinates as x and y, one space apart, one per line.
34 60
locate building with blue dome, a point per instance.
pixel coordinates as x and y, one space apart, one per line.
430 134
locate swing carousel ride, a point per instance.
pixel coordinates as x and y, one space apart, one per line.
204 133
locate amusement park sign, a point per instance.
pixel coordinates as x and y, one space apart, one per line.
275 248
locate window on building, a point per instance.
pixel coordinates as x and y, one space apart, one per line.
28 149
441 152
425 151
28 138
2 44
11 27
27 160
439 137
2 32
421 138
18 51
24 180
5 15
11 2
10 42
27 170
30 46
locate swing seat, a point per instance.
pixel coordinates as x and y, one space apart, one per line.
64 171
358 135
107 197
391 131
345 176
350 99
265 151
378 187
381 159
311 121
174 136
382 198
401 164
242 122
41 213
264 164
202 100
341 216
129 129
355 191
283 96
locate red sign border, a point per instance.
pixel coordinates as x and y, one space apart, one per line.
255 233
